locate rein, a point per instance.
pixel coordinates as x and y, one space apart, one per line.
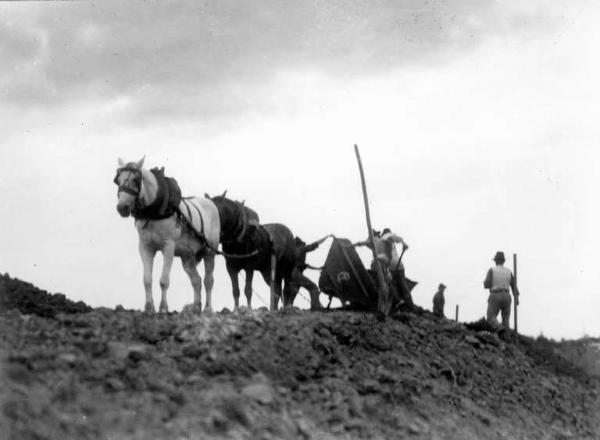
238 256
202 238
308 266
200 235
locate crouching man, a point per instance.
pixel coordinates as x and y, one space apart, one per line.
299 279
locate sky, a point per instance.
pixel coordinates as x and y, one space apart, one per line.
476 123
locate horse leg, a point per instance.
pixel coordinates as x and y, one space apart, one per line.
147 255
168 252
209 279
248 287
292 286
189 266
289 292
313 289
266 274
278 291
235 286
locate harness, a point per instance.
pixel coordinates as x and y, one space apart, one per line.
167 201
137 179
168 196
237 229
249 219
189 211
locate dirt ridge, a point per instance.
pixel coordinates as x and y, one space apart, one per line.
117 374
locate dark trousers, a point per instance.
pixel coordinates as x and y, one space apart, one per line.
300 280
397 282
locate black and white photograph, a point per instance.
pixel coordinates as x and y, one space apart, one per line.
299 219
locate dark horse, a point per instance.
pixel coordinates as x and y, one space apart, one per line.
241 234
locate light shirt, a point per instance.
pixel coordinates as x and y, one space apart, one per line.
501 278
385 248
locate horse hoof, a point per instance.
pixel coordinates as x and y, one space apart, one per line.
163 308
149 309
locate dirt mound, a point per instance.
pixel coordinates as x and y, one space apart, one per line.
583 353
292 374
28 299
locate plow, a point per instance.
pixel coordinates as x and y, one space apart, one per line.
343 276
380 289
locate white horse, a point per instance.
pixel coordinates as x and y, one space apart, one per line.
192 238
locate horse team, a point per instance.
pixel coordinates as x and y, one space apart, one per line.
191 228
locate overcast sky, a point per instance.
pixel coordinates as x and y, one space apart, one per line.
476 120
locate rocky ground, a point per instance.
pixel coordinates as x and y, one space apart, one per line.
117 374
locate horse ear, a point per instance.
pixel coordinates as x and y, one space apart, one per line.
224 192
206 196
243 202
121 163
140 163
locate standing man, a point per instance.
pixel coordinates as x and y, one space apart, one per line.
498 280
385 248
388 241
439 301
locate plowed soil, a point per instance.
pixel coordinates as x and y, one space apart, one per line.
117 374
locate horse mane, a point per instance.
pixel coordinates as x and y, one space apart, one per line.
243 216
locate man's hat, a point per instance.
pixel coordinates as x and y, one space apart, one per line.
499 257
442 286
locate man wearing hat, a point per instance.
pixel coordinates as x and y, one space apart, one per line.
498 280
439 301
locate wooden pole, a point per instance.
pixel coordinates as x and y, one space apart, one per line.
274 299
383 304
515 297
456 313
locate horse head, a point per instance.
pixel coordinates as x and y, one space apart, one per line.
129 181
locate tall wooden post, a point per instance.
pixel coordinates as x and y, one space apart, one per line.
274 299
456 313
383 304
515 297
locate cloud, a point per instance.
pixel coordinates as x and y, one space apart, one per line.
209 59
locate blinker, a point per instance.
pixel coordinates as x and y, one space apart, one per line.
136 180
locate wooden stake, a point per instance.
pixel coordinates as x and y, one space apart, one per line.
383 304
456 313
515 297
274 298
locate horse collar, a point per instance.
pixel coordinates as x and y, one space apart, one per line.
166 201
